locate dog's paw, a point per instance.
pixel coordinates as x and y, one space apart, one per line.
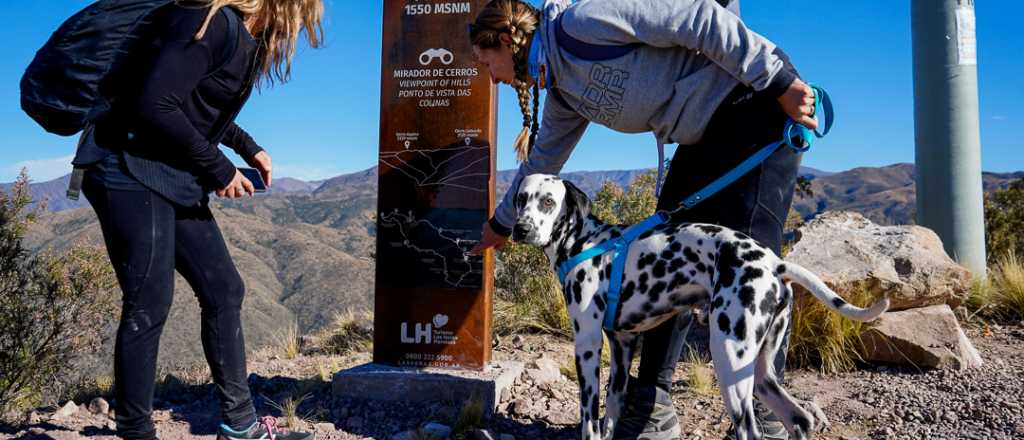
821 421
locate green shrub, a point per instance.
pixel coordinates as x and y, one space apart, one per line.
633 205
529 297
1004 221
53 307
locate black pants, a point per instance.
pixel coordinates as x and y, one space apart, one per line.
147 238
756 204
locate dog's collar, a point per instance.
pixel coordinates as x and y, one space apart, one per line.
619 245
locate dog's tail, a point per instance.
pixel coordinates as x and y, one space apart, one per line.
832 300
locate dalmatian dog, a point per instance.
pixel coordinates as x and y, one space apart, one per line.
744 288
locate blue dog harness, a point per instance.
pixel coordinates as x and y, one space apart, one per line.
794 136
620 247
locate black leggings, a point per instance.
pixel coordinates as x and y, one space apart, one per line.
756 204
147 238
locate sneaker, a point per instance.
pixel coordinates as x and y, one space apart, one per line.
264 428
648 415
771 427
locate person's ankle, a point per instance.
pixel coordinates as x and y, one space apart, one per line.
651 392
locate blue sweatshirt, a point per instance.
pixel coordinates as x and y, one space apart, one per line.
693 54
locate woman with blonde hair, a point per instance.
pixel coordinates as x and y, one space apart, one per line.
690 72
150 165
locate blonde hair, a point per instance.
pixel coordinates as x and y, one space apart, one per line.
277 25
519 20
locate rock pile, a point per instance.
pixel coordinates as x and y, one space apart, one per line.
907 264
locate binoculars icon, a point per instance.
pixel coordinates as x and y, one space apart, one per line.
429 55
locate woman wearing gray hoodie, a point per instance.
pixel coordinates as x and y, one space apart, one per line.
694 75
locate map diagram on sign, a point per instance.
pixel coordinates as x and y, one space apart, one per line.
431 250
463 167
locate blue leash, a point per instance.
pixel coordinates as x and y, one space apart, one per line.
795 136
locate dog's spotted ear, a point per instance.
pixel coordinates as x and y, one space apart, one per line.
576 201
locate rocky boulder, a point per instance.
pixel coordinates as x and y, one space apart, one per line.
928 337
855 256
69 409
543 370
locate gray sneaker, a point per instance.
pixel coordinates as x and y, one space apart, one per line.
771 427
264 428
648 415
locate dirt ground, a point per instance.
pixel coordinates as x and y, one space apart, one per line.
879 403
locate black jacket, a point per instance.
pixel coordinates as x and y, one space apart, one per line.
169 121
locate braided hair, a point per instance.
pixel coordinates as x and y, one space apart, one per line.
519 20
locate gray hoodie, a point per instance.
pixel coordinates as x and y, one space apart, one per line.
693 54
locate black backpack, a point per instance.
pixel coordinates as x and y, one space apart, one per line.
72 79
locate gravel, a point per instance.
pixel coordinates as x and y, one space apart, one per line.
880 403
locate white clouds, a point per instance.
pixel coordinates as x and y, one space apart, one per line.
999 118
39 170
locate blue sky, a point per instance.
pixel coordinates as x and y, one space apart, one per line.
325 121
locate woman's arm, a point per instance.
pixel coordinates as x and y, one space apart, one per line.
254 155
699 25
176 72
560 130
241 142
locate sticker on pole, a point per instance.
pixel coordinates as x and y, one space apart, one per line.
966 42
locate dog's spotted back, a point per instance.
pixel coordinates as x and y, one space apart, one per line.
671 269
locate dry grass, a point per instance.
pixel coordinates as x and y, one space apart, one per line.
543 311
1008 278
100 386
568 369
104 385
700 377
326 371
471 417
290 410
287 342
983 292
528 296
823 339
606 353
350 331
1000 294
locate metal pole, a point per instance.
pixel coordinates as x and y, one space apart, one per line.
946 126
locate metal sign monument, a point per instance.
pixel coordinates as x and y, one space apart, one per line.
436 187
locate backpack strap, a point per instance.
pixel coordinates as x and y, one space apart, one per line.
234 27
586 51
589 51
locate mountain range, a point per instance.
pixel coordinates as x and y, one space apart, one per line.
305 249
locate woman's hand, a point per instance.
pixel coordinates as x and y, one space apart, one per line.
488 239
798 103
238 187
261 161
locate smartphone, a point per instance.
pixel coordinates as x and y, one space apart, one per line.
255 177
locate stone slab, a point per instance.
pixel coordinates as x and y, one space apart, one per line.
386 383
928 337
